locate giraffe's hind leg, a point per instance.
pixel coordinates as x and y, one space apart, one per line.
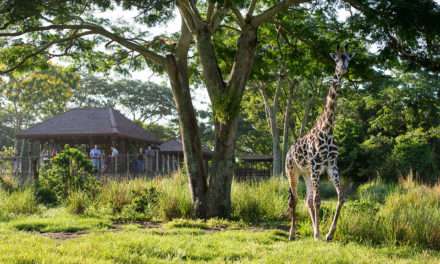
334 177
293 198
309 199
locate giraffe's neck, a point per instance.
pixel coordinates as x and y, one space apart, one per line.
326 120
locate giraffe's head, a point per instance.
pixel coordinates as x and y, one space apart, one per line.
341 58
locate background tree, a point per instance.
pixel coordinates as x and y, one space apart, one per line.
147 102
28 97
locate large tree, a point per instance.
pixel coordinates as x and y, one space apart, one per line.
53 28
37 28
147 102
28 97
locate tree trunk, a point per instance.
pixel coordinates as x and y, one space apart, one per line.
286 131
271 115
222 169
189 131
225 98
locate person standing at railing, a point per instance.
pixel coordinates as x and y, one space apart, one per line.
114 159
140 161
95 155
44 156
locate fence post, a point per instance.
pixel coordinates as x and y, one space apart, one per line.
157 162
128 166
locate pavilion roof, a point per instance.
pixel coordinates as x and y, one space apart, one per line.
88 122
175 145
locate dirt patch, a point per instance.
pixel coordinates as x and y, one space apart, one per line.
142 224
63 235
149 224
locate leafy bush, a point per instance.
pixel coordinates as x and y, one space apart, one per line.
142 206
412 151
68 171
8 183
375 157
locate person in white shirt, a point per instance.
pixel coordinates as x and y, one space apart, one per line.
96 155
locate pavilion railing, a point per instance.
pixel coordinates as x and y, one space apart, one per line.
26 169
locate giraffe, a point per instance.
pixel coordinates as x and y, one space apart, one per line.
316 152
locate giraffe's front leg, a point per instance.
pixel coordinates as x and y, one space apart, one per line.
316 201
333 173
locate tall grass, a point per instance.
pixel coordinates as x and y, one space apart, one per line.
77 202
413 218
407 213
259 201
118 198
376 191
20 202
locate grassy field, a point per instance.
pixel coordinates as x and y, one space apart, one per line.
62 238
381 223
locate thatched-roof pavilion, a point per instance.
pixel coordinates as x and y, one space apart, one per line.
84 128
89 126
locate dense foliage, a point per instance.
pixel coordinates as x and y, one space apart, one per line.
69 171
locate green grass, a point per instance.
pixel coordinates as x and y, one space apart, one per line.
380 223
171 244
56 220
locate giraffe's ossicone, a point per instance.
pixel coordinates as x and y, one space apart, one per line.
316 153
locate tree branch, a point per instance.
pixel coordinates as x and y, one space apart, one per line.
251 8
210 11
148 54
236 12
216 19
271 12
43 48
190 14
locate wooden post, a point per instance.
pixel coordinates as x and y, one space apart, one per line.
168 163
29 174
157 161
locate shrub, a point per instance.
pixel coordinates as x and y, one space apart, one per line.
69 171
412 151
21 202
8 183
142 205
77 202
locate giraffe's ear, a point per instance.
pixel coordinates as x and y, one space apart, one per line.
333 56
351 55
